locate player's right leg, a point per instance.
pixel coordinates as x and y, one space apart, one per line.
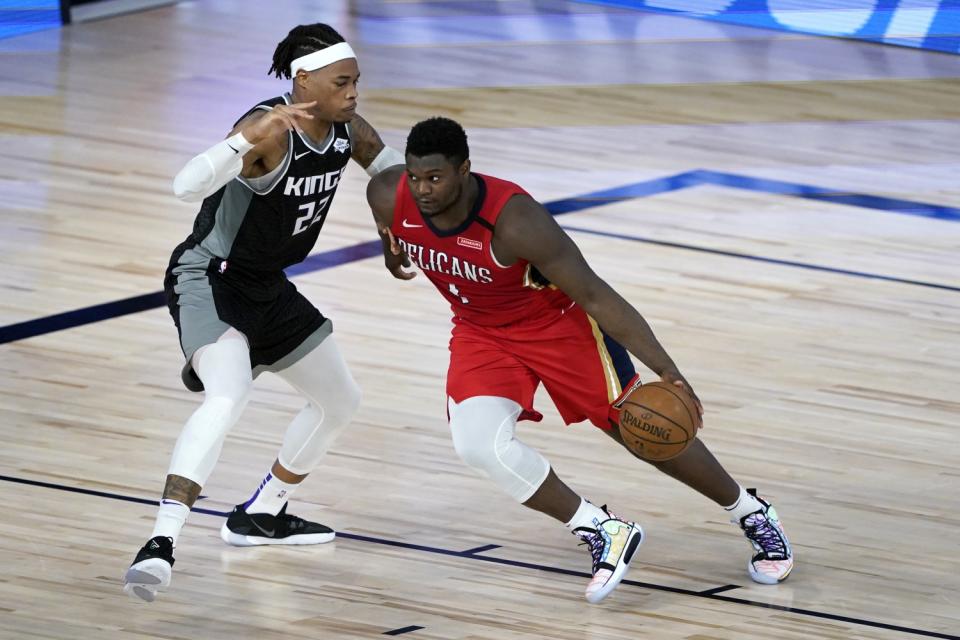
483 429
224 369
333 397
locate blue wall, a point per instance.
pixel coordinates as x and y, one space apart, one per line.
926 24
23 16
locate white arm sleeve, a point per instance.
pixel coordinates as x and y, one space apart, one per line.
387 158
206 173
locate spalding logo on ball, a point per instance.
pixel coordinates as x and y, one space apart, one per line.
658 421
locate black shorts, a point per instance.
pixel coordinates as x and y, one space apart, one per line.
280 324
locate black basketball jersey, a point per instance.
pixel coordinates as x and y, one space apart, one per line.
257 227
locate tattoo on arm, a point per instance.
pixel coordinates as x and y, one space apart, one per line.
182 490
365 141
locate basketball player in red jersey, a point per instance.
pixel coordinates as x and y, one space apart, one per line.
529 310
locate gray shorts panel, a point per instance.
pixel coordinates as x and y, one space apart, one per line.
199 323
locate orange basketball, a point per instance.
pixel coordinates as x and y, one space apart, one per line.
658 421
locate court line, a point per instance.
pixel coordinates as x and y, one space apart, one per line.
476 550
747 256
369 249
700 177
103 494
823 194
398 632
710 594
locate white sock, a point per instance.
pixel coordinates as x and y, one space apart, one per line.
270 497
587 515
170 519
745 505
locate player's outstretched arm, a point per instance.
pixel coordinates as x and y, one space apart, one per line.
258 138
527 230
381 196
368 150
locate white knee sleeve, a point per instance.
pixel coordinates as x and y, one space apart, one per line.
323 378
224 368
483 434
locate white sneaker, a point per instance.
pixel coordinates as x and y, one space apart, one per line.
773 560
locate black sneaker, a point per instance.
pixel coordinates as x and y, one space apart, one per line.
151 569
244 529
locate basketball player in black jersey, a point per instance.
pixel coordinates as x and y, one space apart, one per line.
265 194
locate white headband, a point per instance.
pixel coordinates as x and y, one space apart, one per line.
322 58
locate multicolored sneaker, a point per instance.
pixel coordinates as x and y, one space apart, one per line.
773 560
612 544
244 529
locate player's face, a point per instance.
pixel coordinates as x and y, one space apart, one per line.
435 182
334 87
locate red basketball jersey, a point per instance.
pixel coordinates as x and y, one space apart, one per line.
460 261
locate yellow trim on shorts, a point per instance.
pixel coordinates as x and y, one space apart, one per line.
610 372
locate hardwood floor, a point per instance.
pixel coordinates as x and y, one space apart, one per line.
783 210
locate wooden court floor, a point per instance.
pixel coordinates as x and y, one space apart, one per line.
783 209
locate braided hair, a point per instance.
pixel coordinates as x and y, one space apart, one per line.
302 40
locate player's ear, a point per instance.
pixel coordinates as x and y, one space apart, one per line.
301 78
464 169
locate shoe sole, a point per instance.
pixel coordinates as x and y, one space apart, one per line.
636 539
762 578
144 579
238 540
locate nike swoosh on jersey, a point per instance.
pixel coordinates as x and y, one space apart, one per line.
407 225
297 156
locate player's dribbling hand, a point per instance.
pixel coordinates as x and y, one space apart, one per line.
398 265
674 377
283 117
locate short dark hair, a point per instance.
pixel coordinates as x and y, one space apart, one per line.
439 135
302 40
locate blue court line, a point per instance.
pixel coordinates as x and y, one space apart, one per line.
626 192
103 494
747 256
369 249
709 594
80 317
891 205
336 257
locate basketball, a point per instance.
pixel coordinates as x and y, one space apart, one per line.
658 421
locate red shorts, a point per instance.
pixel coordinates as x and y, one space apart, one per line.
583 369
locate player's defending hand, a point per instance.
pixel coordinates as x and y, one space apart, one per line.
674 377
281 118
393 256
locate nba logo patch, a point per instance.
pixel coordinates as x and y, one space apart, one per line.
470 244
341 144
